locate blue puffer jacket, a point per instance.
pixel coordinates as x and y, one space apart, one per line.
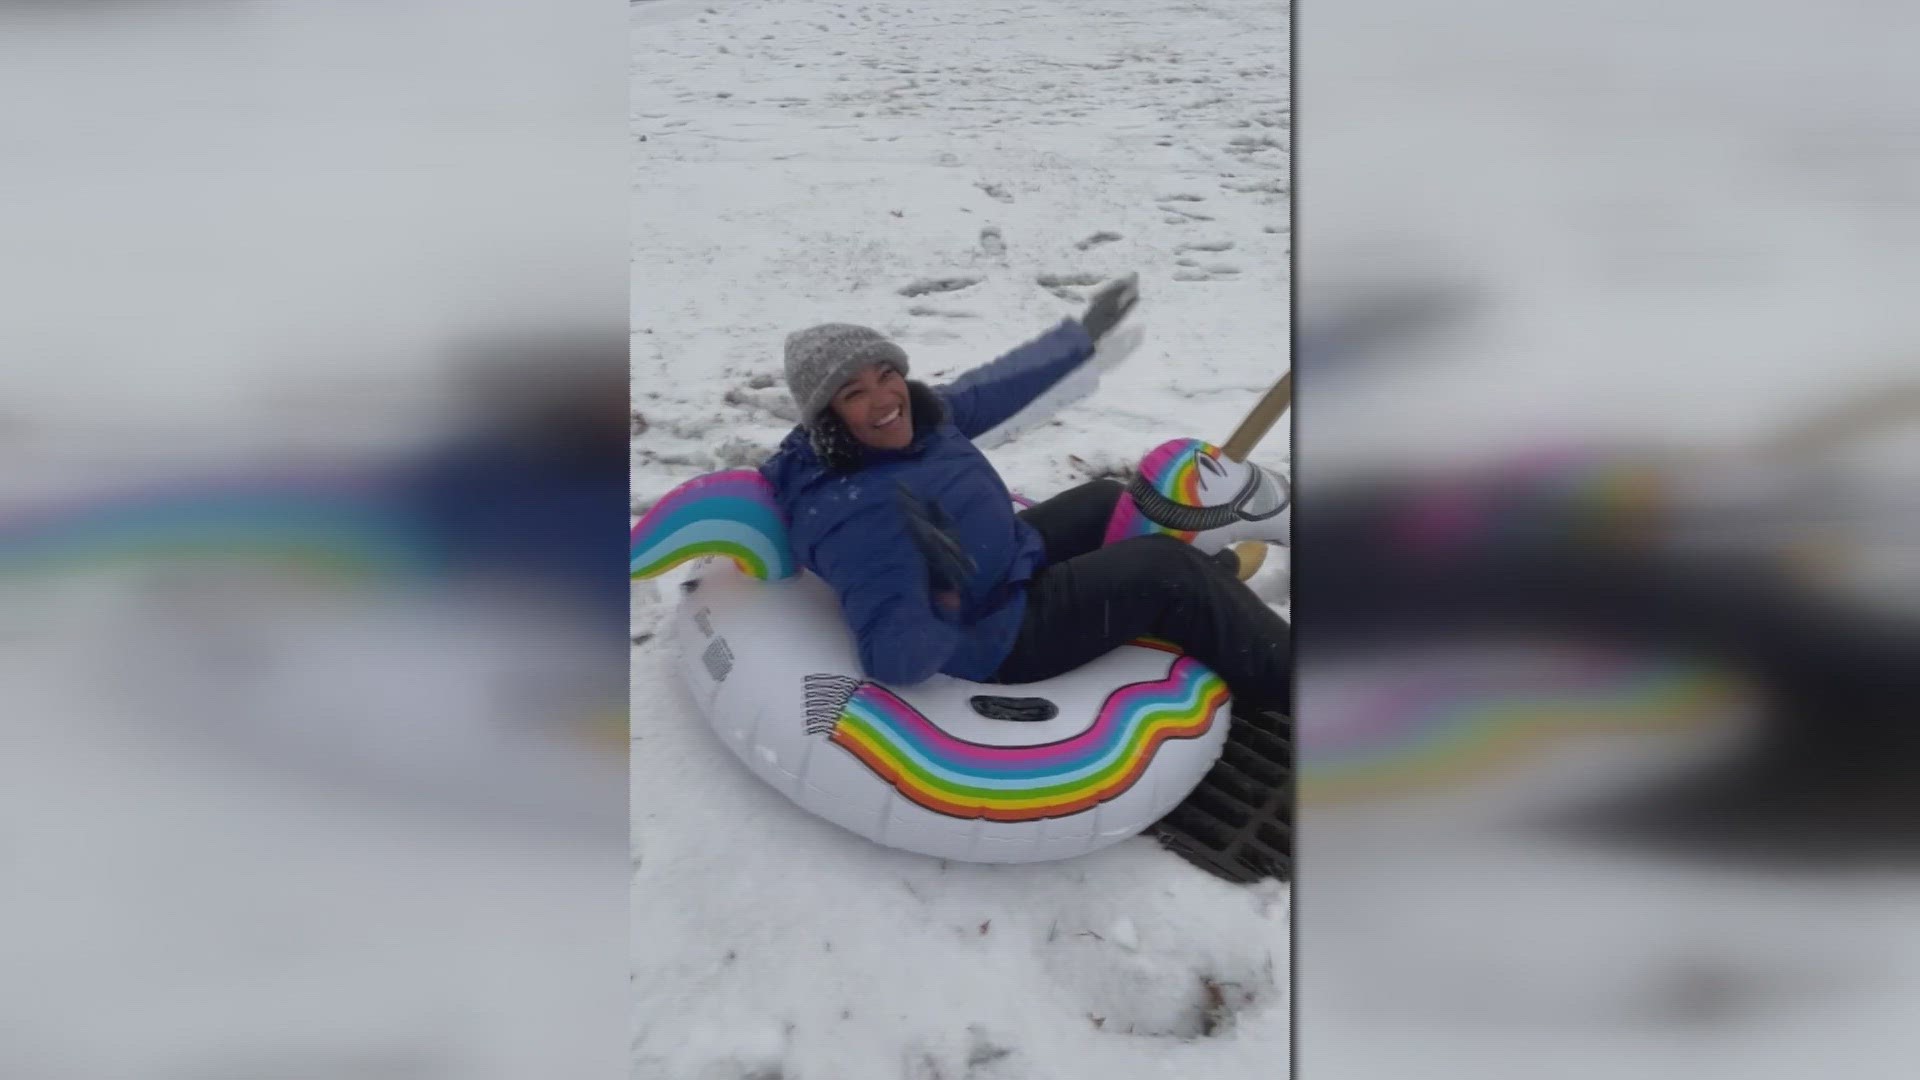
848 527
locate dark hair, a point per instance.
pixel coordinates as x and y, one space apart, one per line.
833 444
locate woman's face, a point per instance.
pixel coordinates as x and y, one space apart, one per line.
874 406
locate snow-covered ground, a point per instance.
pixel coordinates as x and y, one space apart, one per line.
955 175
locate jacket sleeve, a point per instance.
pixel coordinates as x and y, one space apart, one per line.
987 396
881 580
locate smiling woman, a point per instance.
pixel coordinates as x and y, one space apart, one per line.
896 508
850 382
874 408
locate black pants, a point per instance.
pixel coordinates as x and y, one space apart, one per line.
1091 600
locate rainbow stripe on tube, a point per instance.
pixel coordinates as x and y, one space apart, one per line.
961 779
732 515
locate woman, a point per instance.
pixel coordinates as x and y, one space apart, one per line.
892 505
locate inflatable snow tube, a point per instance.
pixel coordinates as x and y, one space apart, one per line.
948 768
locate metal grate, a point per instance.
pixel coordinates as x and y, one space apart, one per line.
1238 824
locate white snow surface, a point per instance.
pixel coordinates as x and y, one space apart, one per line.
802 162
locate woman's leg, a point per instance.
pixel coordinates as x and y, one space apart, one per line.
1085 607
1074 522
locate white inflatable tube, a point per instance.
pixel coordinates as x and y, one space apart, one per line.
938 768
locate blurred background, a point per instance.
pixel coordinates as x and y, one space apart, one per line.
1608 585
312 401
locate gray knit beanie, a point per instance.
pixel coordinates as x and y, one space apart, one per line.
822 359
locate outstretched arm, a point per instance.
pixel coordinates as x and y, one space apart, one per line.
985 397
988 396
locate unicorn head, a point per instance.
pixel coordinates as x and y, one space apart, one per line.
1190 489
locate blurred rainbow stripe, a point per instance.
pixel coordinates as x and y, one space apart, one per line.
325 523
1437 732
1173 471
1025 783
1574 495
729 514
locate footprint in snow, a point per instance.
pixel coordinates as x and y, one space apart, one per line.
1101 237
995 192
976 1057
1187 214
776 403
939 285
1054 280
992 243
927 312
1142 974
1181 197
1207 245
1215 272
1249 145
1067 286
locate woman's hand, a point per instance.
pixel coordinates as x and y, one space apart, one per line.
1110 305
948 565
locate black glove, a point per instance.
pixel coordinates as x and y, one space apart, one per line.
1110 305
948 564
